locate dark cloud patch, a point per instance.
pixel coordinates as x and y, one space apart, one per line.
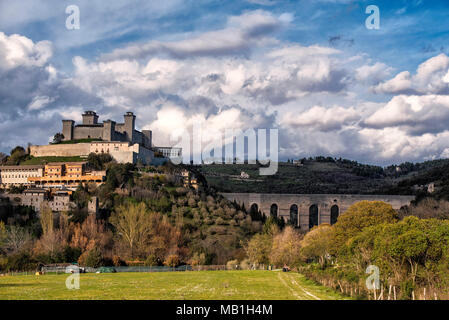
339 41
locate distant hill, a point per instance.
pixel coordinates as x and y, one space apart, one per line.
322 175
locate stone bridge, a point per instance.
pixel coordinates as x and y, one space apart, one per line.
309 210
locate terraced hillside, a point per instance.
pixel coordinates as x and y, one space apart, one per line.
327 175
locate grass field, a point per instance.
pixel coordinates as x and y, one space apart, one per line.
44 160
202 285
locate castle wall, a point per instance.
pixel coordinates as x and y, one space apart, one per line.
145 155
85 132
304 201
123 152
61 150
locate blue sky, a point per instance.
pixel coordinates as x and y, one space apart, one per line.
310 68
415 28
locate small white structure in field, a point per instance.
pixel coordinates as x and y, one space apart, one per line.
244 175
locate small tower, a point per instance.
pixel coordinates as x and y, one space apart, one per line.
90 117
148 137
67 129
108 130
129 126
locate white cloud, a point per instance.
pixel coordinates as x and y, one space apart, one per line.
17 50
401 83
39 102
322 119
241 34
373 73
237 77
417 114
430 78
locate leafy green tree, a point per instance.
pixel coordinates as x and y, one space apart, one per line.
3 158
91 258
359 216
315 245
46 218
259 248
18 154
98 161
57 138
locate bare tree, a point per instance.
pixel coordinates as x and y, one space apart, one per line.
133 225
17 239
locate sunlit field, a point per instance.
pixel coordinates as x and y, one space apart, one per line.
202 285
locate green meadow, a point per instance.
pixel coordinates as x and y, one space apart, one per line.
201 285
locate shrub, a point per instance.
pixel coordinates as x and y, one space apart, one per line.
152 261
245 264
198 259
172 260
21 261
220 221
232 265
118 262
70 254
91 258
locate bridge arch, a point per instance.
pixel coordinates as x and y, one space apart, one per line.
274 209
313 216
294 215
254 208
335 212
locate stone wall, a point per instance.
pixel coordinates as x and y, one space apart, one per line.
122 152
61 150
324 202
85 132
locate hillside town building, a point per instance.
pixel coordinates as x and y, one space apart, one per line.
55 175
57 200
67 174
18 175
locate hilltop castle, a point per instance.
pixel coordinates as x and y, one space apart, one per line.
121 140
107 131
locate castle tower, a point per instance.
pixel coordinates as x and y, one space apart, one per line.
67 129
109 130
90 117
148 137
129 126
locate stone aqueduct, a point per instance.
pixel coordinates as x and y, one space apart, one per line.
309 210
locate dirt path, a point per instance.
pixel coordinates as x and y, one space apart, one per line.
302 290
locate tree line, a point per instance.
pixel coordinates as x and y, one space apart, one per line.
411 253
